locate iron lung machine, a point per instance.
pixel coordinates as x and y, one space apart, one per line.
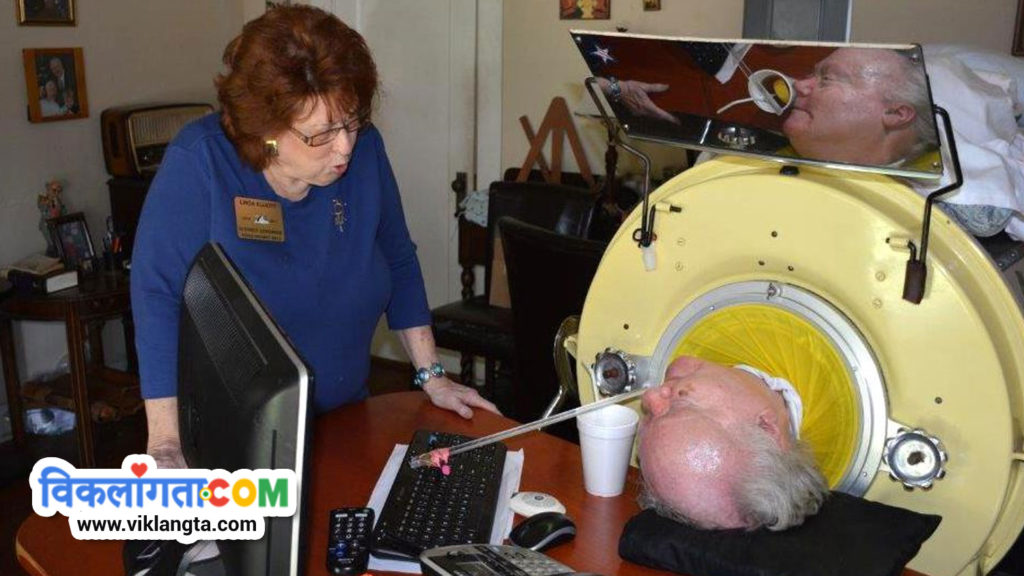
800 273
896 327
898 330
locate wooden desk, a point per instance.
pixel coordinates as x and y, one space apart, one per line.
97 297
350 448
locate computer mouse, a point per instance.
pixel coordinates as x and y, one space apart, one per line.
542 531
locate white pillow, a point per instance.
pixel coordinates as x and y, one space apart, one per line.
986 62
981 110
989 142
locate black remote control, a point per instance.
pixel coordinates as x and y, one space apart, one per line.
348 535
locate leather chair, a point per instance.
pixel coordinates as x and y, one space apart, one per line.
475 328
574 179
549 275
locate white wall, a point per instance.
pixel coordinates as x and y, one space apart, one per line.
540 62
984 23
134 52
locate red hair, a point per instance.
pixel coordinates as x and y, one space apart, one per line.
280 62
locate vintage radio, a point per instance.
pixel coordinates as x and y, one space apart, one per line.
135 137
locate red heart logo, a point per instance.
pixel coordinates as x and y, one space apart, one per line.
139 469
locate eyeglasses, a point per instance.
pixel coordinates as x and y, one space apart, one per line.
352 126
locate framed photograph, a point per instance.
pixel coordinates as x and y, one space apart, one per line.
70 235
55 83
585 9
652 5
46 12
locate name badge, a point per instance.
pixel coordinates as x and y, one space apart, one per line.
259 220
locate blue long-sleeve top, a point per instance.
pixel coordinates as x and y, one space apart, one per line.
326 285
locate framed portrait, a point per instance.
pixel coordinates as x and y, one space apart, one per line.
55 83
652 5
584 9
46 12
70 235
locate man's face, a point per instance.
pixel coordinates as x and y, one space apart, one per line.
839 109
691 437
56 67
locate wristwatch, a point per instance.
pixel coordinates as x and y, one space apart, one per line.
423 375
614 90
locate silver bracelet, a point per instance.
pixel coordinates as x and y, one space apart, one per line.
423 375
614 90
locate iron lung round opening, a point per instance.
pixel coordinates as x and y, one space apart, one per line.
802 276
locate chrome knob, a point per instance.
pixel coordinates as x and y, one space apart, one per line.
915 458
614 372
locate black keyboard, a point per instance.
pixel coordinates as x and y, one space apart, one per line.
426 509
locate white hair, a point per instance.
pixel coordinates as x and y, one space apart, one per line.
781 487
909 85
778 490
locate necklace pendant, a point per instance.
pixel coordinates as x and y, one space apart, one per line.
339 214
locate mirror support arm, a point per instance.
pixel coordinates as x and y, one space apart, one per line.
645 234
917 271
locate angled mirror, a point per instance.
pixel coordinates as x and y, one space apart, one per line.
858 107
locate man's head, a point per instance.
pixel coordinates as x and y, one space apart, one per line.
716 451
862 105
56 67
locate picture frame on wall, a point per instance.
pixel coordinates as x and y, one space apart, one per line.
652 5
46 12
584 9
70 235
55 84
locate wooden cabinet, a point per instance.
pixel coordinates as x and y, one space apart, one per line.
91 389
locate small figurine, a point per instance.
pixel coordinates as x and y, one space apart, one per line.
50 206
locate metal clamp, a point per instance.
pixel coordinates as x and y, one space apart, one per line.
563 365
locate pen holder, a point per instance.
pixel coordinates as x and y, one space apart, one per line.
113 261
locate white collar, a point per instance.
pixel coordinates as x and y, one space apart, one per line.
794 405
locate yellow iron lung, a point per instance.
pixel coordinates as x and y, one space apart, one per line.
802 276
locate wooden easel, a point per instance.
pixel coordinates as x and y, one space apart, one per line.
558 124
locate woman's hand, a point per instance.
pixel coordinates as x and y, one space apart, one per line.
636 97
455 397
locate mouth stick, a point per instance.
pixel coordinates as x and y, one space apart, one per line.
424 459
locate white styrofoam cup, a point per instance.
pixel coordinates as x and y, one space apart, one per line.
606 439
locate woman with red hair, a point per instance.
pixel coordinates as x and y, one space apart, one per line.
293 181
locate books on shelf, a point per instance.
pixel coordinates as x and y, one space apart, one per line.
39 264
42 283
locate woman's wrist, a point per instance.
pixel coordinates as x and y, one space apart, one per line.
425 374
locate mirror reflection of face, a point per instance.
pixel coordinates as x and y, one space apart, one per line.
692 446
841 111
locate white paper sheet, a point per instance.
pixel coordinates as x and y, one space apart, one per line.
510 477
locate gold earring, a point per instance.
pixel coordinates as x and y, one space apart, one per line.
271 147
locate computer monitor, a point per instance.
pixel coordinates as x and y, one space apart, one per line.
244 399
